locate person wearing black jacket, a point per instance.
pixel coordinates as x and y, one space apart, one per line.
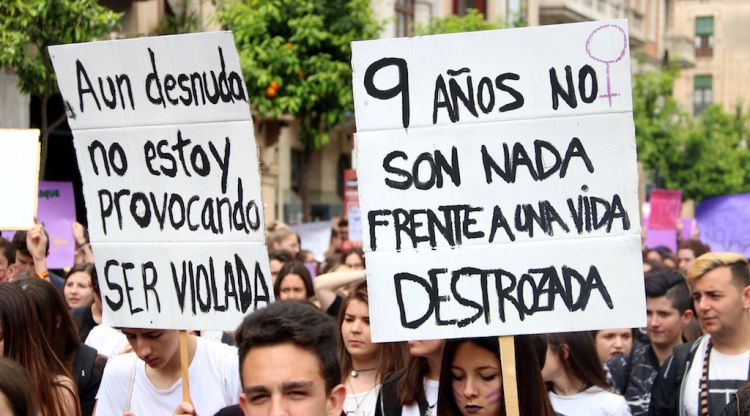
699 377
413 391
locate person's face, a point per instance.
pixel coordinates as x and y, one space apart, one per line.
613 342
156 347
354 261
664 322
78 291
719 303
292 288
686 258
24 262
475 376
426 348
355 330
290 244
654 255
286 380
275 266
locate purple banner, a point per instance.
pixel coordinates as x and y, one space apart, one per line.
724 223
666 238
57 211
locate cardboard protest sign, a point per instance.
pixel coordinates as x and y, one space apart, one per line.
57 211
498 182
724 223
315 236
164 141
351 205
665 238
19 173
665 208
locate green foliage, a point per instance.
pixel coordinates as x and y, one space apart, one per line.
182 20
28 27
704 156
296 55
472 21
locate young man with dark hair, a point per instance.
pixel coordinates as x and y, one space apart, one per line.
32 249
688 251
288 363
668 311
148 380
701 377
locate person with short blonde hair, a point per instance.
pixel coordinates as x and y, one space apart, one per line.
735 262
701 376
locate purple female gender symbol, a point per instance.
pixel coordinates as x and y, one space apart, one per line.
604 60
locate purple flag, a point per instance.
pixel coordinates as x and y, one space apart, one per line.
656 238
724 223
57 211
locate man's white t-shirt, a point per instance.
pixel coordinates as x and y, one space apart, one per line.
725 374
431 394
214 384
106 340
591 402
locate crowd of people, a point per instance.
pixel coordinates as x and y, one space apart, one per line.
311 352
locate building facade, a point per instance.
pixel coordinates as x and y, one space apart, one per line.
720 30
708 38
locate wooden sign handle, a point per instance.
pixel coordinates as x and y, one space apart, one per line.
184 365
508 364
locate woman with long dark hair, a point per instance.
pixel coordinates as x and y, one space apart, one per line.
81 360
16 394
363 363
575 378
24 341
471 379
293 282
89 316
413 391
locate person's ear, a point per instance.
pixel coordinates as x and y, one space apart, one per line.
243 404
687 316
746 297
335 400
564 351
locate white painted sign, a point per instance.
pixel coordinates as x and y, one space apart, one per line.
19 178
165 145
315 236
498 182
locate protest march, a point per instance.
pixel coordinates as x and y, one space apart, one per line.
494 254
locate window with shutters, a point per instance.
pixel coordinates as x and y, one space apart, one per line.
404 18
704 36
461 6
702 93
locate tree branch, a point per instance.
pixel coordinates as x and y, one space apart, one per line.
55 124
